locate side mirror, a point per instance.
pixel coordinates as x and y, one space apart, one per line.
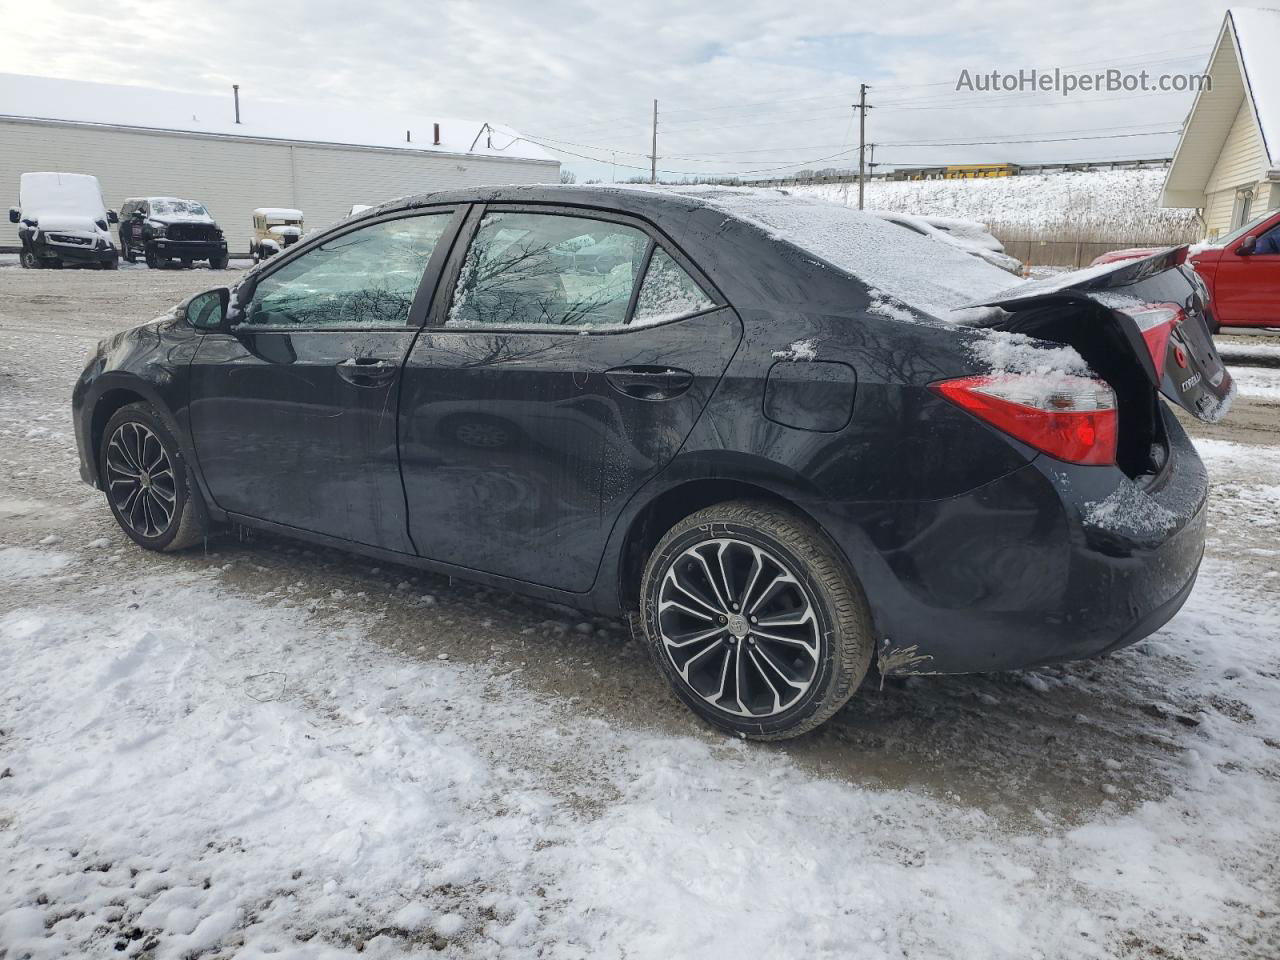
112 217
206 311
1247 246
15 215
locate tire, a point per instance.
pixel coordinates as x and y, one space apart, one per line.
132 442
253 253
218 263
29 260
153 261
825 655
130 255
186 264
112 264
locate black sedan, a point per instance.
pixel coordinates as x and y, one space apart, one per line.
788 439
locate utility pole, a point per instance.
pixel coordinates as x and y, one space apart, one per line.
862 142
653 157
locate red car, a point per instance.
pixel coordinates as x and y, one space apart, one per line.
1241 270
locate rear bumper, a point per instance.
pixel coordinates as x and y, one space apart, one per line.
189 249
1052 562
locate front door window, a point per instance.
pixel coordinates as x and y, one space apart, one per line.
366 278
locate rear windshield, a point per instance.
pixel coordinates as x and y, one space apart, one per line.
927 274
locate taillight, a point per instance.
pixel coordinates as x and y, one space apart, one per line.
1068 417
1156 322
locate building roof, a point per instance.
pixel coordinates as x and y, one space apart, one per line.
1245 64
78 101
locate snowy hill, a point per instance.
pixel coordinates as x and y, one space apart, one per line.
1112 206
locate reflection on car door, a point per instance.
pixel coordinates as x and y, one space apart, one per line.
531 411
293 414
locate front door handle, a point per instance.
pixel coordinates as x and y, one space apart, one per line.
367 371
650 383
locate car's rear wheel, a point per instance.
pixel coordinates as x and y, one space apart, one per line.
152 258
755 620
218 263
146 480
130 255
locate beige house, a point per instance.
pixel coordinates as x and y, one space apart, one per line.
1228 159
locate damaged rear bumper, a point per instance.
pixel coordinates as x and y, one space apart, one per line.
1052 562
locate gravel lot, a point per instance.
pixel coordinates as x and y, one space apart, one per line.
1120 808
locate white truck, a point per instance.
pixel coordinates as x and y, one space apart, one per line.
63 221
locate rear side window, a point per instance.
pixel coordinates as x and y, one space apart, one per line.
541 269
668 292
368 277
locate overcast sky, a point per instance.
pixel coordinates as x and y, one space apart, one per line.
743 87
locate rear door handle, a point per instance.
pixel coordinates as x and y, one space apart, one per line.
367 371
650 383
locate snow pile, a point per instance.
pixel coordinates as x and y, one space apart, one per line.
1016 353
1114 206
1257 33
913 269
1128 511
195 772
801 350
23 563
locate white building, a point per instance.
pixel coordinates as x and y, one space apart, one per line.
141 142
1228 159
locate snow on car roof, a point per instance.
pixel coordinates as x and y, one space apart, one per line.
1257 33
278 213
910 268
78 101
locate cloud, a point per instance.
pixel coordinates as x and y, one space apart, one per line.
743 85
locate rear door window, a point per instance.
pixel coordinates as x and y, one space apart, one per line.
537 269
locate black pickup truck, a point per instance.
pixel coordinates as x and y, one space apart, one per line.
162 229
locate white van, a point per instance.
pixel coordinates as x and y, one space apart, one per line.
62 220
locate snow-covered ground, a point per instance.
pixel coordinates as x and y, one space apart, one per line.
1103 205
264 749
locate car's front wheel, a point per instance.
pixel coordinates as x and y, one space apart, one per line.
755 620
147 483
29 260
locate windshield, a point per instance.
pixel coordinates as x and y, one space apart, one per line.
74 194
1243 231
178 208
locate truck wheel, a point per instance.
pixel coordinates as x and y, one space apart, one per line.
755 620
153 261
218 263
29 260
130 255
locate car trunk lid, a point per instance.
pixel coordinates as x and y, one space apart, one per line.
1159 308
